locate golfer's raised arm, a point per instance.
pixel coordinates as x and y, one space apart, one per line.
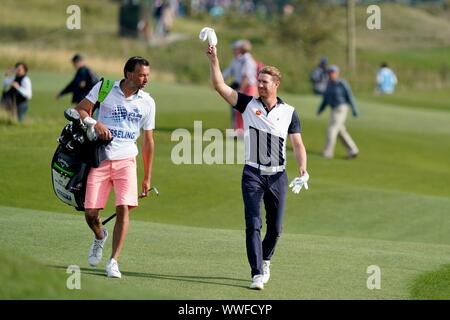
217 81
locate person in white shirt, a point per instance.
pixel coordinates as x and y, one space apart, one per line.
243 71
121 116
17 90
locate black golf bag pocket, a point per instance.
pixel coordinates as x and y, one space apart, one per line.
69 175
73 159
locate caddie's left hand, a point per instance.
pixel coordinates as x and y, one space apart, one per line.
102 131
146 186
298 183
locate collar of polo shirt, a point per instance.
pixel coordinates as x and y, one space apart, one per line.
138 92
279 101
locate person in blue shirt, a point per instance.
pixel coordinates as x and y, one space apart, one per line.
339 97
386 80
319 76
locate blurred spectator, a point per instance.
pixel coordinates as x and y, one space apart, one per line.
247 7
243 70
216 11
340 98
144 25
196 6
168 17
319 76
17 90
386 79
175 5
157 14
219 7
249 70
164 13
82 82
288 9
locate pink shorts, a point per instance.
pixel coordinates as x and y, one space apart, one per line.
120 174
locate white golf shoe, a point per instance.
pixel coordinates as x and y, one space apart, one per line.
112 269
257 282
96 251
266 271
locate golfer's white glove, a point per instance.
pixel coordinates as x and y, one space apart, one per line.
298 183
90 131
210 34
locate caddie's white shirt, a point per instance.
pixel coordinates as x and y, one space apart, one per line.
266 131
124 117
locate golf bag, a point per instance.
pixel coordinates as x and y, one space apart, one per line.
75 155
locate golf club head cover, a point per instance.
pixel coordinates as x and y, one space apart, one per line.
210 34
298 183
72 115
90 131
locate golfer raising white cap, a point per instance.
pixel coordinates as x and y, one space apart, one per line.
268 120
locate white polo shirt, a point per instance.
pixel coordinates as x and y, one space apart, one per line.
266 131
124 117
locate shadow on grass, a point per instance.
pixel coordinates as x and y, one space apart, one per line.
432 285
195 279
319 154
93 271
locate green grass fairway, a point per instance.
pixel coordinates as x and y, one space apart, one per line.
389 207
163 261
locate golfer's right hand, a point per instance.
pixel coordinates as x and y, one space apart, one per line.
102 131
211 52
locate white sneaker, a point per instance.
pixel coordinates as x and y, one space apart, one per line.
257 282
266 271
112 269
96 251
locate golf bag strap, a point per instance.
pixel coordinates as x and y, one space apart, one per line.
105 89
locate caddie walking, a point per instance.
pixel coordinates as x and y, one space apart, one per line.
123 113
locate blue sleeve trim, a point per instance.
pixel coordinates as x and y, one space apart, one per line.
243 101
295 126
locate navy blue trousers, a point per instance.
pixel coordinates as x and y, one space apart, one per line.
271 189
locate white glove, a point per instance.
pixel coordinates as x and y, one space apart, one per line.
90 131
210 34
299 182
